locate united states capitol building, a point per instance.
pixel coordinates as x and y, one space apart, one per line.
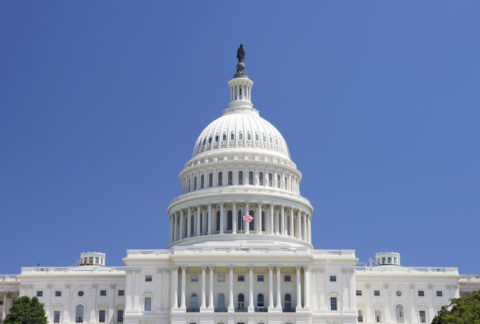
220 269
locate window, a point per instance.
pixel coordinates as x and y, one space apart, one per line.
333 278
210 180
270 180
278 181
216 138
287 278
376 293
148 278
217 225
359 293
120 316
240 177
249 137
194 301
39 293
121 292
260 300
250 178
79 314
378 316
80 293
333 303
240 136
202 181
399 293
220 179
221 301
232 136
256 136
224 137
439 293
360 316
251 225
421 293
260 178
195 183
194 278
229 220
209 140
230 178
147 305
260 278
288 301
101 316
103 293
241 278
239 220
221 278
56 317
241 301
399 313
423 317
58 293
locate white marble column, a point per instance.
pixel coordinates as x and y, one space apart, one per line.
222 217
306 279
279 292
259 223
292 229
210 223
174 215
182 224
210 293
270 221
270 288
198 221
298 231
231 308
284 228
184 282
175 288
203 302
299 290
309 229
234 218
171 228
251 308
189 222
246 225
4 306
304 221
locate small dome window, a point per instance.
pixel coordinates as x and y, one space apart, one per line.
224 138
270 140
204 141
240 136
216 138
209 140
256 137
264 138
232 137
249 137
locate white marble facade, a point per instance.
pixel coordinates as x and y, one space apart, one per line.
220 269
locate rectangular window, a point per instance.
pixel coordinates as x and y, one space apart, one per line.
39 293
360 316
423 317
260 278
376 292
194 278
333 303
421 293
359 293
333 278
148 278
120 316
56 317
58 293
147 304
270 180
250 178
220 179
439 293
378 316
103 293
241 278
221 278
287 278
210 179
101 316
121 292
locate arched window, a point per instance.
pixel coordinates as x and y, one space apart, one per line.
230 178
270 180
220 179
239 220
288 302
285 183
263 221
217 225
260 300
250 178
251 225
194 301
210 179
241 301
232 136
240 177
221 301
195 183
79 314
202 181
229 220
400 313
278 181
260 178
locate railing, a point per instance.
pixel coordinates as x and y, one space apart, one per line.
470 277
241 309
193 309
409 269
261 309
221 310
8 278
288 310
68 269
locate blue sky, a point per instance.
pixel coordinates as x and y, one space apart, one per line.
101 103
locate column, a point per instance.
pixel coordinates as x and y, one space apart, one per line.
210 219
175 236
299 290
270 220
203 305
251 308
298 231
234 218
246 224
222 216
189 222
66 315
292 232
284 228
304 216
231 308
171 228
345 291
259 216
279 293
309 228
174 288
306 290
198 221
270 288
210 293
4 306
182 300
182 224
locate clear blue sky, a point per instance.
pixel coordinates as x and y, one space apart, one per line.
101 103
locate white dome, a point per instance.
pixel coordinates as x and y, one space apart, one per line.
241 128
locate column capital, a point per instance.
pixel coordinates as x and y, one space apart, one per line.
211 267
251 266
231 266
271 266
204 266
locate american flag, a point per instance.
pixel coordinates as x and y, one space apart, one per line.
247 218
